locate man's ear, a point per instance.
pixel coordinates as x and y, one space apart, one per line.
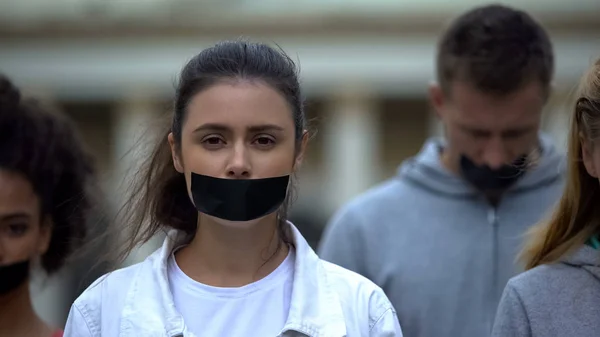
175 153
437 99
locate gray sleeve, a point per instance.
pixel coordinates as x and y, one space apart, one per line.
342 242
511 317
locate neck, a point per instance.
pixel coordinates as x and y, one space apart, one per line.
449 162
228 256
17 316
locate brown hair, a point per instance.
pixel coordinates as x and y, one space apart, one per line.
158 197
577 216
495 48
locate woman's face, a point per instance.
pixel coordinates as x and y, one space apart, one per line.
238 130
23 235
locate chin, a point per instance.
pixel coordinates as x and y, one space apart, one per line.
236 224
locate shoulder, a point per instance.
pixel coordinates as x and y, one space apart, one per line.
386 195
541 286
364 220
546 276
107 294
387 191
530 297
357 294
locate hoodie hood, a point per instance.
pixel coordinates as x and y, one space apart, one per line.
586 258
427 171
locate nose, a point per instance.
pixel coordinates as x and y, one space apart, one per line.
239 163
495 154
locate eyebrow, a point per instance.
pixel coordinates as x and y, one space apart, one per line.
473 129
509 130
15 216
225 128
523 129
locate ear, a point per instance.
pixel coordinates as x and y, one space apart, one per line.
587 155
45 235
174 153
437 99
302 150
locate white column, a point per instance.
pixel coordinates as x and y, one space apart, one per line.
351 142
135 133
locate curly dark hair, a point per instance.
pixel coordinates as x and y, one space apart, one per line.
43 146
495 48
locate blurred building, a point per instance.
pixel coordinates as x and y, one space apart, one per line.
365 66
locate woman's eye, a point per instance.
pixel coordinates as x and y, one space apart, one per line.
213 141
264 141
17 229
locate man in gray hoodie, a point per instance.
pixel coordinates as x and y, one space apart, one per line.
442 236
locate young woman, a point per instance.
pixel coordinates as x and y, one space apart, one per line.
559 295
44 203
221 179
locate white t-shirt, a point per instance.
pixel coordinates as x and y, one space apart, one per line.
258 309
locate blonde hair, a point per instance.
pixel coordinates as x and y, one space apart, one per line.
577 216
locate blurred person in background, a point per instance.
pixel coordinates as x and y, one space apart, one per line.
442 236
221 179
559 294
46 181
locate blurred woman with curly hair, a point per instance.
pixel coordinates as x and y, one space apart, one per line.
45 200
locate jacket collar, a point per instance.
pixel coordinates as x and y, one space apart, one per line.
315 308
